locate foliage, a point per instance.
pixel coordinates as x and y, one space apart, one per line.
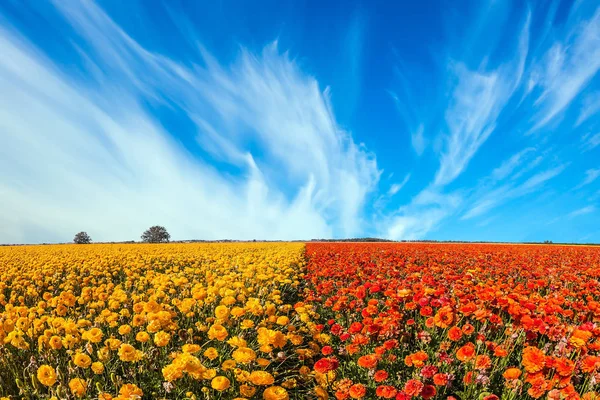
156 234
82 238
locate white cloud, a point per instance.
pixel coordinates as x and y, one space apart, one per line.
566 68
395 188
495 197
590 141
418 140
89 157
582 211
476 102
590 176
590 107
509 165
422 215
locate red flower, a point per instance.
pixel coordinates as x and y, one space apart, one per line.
428 392
387 392
325 365
380 376
413 387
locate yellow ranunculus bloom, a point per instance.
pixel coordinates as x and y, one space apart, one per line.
220 383
78 387
46 375
161 339
275 393
262 378
244 355
82 360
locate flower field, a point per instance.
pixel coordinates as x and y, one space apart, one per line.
279 321
160 321
458 321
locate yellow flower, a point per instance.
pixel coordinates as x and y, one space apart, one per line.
124 329
103 354
247 390
263 362
130 391
221 312
78 387
247 324
82 360
46 375
228 365
244 355
283 320
142 337
97 367
172 372
275 393
129 353
211 353
161 338
237 341
55 342
112 343
94 335
321 393
190 348
261 378
220 383
217 331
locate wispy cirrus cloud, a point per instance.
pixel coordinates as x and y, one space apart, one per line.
590 176
524 93
88 155
566 68
396 187
502 194
590 141
508 166
582 211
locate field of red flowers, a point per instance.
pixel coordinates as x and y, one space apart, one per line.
456 321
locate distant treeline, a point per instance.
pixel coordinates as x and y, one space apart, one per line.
367 239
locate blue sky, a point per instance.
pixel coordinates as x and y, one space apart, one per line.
300 119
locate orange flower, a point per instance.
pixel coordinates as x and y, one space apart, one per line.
512 373
357 391
380 376
444 317
590 396
413 387
466 352
564 366
483 362
500 351
580 338
534 359
590 364
455 333
468 329
416 360
387 392
368 361
440 379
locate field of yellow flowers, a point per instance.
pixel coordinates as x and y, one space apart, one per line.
214 321
279 321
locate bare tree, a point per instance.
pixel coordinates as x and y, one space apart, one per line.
156 234
82 238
